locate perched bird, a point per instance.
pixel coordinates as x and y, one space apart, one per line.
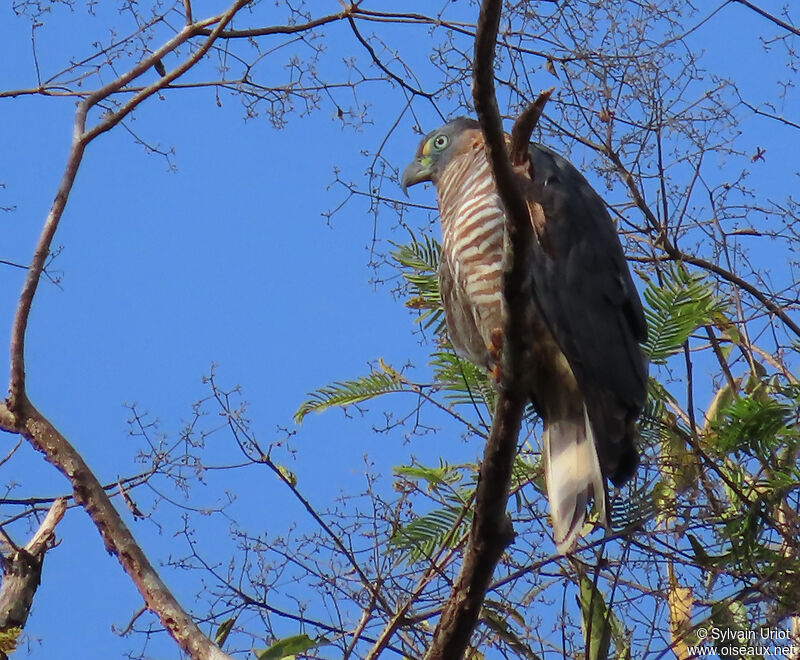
584 369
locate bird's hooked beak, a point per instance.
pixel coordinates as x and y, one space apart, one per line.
420 169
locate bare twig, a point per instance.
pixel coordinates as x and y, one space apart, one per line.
116 536
723 363
187 10
402 614
80 138
281 29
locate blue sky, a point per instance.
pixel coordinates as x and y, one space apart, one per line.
229 260
226 260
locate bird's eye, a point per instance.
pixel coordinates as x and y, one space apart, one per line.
440 142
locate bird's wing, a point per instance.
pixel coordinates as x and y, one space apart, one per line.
461 327
586 295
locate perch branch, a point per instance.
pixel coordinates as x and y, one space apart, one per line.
491 530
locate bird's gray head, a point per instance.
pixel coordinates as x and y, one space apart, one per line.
437 149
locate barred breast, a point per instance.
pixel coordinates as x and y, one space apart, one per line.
472 244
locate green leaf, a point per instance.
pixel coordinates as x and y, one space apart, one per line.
288 647
223 631
594 610
443 476
730 619
424 536
640 504
506 610
345 393
497 617
751 424
621 639
675 309
701 557
419 265
463 382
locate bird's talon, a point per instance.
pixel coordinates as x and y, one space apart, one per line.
497 339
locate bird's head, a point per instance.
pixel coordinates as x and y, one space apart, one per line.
438 148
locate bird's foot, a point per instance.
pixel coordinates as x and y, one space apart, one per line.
496 343
495 348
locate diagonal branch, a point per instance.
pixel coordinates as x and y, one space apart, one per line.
19 415
770 17
491 533
116 536
678 255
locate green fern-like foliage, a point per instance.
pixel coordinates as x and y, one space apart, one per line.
422 538
751 424
443 527
463 382
418 261
755 439
740 457
675 308
349 392
443 477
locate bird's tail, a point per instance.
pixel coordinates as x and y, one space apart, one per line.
573 475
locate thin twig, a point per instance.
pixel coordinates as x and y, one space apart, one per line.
187 10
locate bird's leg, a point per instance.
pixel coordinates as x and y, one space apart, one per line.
495 348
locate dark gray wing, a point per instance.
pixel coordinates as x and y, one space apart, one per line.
585 293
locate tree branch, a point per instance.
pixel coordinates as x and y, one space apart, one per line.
117 538
283 29
8 422
19 415
678 255
491 530
491 533
80 138
22 571
770 17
